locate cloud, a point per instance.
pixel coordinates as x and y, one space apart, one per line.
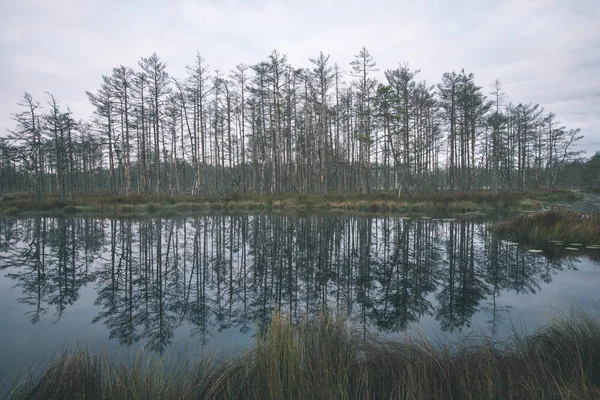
543 51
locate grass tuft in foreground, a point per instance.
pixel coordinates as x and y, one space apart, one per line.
323 359
560 225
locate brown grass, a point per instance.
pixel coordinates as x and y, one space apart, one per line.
324 359
377 202
566 226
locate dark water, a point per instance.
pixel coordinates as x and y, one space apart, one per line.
213 281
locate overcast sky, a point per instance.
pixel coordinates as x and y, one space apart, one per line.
543 51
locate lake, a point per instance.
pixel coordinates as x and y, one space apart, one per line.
174 285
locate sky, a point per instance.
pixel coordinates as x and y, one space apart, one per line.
543 51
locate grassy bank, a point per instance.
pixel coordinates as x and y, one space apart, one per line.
322 359
592 189
379 202
553 225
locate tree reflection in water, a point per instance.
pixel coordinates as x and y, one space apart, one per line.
229 271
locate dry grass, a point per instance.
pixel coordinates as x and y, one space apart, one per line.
377 202
566 226
324 359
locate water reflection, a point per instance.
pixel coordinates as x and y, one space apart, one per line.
213 273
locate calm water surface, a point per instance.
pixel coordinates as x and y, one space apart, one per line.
211 282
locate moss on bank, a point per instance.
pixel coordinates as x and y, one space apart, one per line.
379 202
554 225
323 359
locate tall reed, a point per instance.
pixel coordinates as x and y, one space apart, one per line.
324 359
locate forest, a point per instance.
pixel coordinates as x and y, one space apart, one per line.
271 128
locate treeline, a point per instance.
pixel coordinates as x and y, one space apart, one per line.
583 173
273 128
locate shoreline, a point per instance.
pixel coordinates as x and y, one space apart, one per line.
379 203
